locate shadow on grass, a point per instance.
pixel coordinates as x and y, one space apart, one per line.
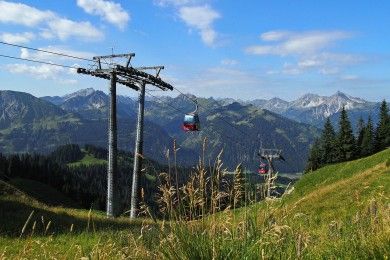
14 215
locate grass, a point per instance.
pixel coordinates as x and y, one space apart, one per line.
58 232
88 160
340 211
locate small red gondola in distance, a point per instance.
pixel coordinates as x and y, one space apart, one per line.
263 169
191 121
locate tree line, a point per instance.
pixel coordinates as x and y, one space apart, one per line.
344 145
84 184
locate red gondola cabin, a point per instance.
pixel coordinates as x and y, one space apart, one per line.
263 169
191 122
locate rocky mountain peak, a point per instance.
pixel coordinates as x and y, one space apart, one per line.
80 93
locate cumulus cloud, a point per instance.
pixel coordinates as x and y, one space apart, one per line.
312 50
43 71
17 38
295 43
51 24
18 13
64 28
197 15
109 11
201 18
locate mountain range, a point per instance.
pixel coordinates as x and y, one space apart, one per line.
314 109
239 128
31 124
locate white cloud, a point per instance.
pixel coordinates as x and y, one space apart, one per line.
43 71
229 62
309 63
311 51
274 35
329 71
17 38
294 43
291 69
110 11
349 77
50 23
176 2
18 13
201 18
196 14
64 28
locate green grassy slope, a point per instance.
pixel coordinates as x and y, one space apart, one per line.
16 206
340 190
340 211
60 233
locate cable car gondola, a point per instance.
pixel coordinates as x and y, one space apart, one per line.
263 168
191 121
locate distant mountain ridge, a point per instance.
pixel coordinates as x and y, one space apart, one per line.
310 109
93 104
314 109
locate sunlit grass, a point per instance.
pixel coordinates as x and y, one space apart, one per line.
341 211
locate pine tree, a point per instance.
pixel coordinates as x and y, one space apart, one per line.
314 160
360 131
328 144
382 134
346 141
367 143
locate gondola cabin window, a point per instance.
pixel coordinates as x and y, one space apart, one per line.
191 122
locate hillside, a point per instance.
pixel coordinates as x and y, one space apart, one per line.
339 211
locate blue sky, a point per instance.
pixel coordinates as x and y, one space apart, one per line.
239 49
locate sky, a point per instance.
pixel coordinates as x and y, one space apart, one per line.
238 49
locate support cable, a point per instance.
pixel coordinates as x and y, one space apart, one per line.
38 61
45 51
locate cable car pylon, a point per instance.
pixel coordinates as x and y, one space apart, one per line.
270 155
136 79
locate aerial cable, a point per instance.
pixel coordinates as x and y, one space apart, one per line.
39 61
46 51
